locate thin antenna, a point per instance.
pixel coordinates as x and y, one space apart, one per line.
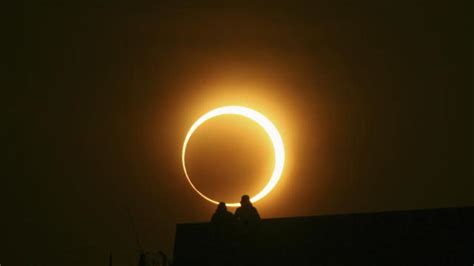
132 223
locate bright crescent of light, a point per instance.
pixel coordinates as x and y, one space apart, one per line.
269 128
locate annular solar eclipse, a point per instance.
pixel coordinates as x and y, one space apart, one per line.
261 120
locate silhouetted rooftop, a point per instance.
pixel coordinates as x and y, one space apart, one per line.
415 237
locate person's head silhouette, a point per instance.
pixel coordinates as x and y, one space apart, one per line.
221 207
221 215
245 201
246 214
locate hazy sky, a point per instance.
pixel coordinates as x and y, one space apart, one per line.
373 101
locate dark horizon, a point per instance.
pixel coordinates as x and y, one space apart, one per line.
373 101
440 236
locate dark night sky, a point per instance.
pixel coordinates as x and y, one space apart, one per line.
373 100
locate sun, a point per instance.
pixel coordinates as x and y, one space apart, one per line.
261 120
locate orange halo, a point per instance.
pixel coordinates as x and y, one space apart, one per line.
261 120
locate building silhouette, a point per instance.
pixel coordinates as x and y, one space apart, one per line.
416 237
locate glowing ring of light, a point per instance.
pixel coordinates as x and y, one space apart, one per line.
261 120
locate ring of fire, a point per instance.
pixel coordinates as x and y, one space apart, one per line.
261 120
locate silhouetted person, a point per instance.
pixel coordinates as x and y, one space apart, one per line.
222 216
247 214
222 222
248 221
222 225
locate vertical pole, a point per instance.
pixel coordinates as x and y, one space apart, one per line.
134 229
